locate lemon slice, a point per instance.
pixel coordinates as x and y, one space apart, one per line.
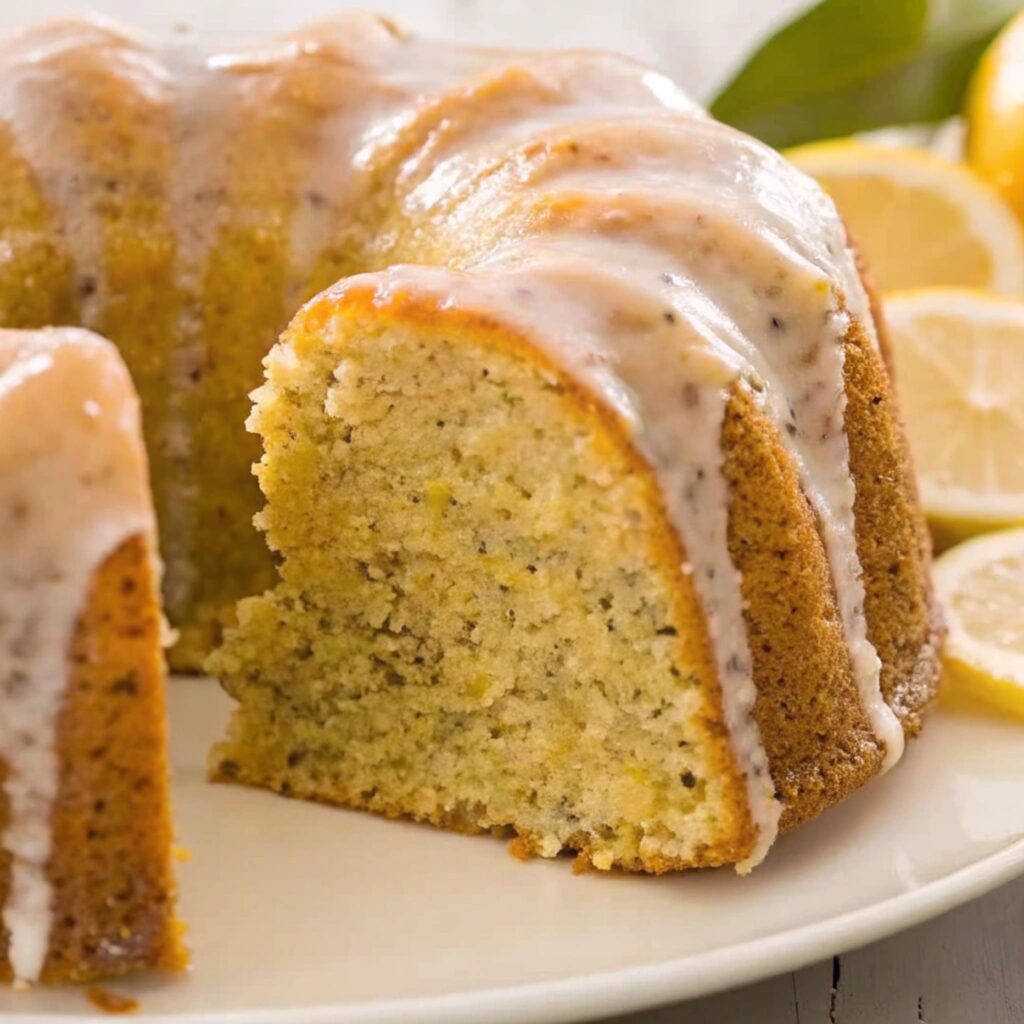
918 219
981 586
959 358
995 115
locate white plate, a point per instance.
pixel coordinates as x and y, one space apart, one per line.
301 914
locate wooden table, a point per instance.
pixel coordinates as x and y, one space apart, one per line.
966 967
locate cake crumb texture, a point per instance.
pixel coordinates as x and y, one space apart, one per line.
481 620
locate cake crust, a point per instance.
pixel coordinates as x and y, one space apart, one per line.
903 611
113 886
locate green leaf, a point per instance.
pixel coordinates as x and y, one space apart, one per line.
851 65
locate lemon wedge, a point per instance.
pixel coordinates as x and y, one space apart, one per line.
918 219
995 115
959 361
981 586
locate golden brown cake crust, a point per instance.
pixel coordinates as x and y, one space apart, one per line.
905 621
800 659
111 870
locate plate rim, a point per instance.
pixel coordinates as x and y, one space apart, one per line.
584 997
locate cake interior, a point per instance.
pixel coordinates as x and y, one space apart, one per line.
477 623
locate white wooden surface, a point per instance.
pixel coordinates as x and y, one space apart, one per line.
964 968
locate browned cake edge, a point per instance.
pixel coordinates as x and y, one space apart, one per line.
801 662
894 531
111 867
819 742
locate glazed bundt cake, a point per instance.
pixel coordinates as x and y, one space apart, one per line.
85 880
592 509
591 512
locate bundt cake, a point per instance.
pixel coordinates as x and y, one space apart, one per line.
590 508
85 880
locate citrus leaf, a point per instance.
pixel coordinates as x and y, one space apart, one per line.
851 65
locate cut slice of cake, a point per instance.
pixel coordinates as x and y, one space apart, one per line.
86 888
550 566
481 620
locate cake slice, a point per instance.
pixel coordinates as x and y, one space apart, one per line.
482 621
86 888
547 568
593 515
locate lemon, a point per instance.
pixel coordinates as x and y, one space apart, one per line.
919 219
995 115
959 361
981 586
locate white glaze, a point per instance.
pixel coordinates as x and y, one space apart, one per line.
202 111
72 489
